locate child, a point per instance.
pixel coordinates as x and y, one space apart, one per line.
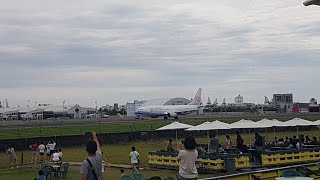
41 175
61 154
122 172
12 156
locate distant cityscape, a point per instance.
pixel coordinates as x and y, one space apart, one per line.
280 103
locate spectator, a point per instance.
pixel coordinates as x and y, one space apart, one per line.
48 152
104 162
187 158
214 143
181 145
314 141
291 143
91 168
239 141
286 142
56 157
52 146
34 148
295 140
308 140
169 147
280 143
41 149
228 142
61 154
275 141
41 175
258 143
134 158
12 156
122 172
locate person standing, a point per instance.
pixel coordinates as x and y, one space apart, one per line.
34 148
214 144
12 156
259 146
41 149
228 142
239 141
52 147
187 160
134 158
169 147
91 168
48 152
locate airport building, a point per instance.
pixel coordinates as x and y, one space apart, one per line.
132 107
47 112
283 102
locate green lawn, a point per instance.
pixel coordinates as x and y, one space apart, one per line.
110 174
119 153
75 130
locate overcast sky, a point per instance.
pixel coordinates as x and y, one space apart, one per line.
118 51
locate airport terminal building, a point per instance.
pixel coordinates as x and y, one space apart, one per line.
46 112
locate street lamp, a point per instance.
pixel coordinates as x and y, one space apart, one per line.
311 2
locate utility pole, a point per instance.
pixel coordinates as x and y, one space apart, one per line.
96 108
63 109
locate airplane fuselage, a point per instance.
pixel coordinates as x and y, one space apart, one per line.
168 110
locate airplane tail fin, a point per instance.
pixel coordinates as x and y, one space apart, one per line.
197 98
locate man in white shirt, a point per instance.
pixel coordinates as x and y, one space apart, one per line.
134 158
41 149
52 146
48 152
56 157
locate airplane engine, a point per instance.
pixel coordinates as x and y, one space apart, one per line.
174 115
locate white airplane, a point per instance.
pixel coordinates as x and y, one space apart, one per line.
311 2
171 110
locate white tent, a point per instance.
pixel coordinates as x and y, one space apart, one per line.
207 126
247 124
299 122
175 126
223 124
272 123
317 122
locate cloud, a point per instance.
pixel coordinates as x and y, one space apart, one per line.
125 50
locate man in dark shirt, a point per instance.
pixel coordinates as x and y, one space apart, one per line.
214 144
258 142
239 141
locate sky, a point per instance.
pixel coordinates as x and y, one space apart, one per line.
118 51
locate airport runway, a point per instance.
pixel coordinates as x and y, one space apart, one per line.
129 120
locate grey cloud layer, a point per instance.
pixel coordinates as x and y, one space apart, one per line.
228 48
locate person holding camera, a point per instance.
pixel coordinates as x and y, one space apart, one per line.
91 168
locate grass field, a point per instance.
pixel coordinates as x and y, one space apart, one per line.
75 130
118 154
39 129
